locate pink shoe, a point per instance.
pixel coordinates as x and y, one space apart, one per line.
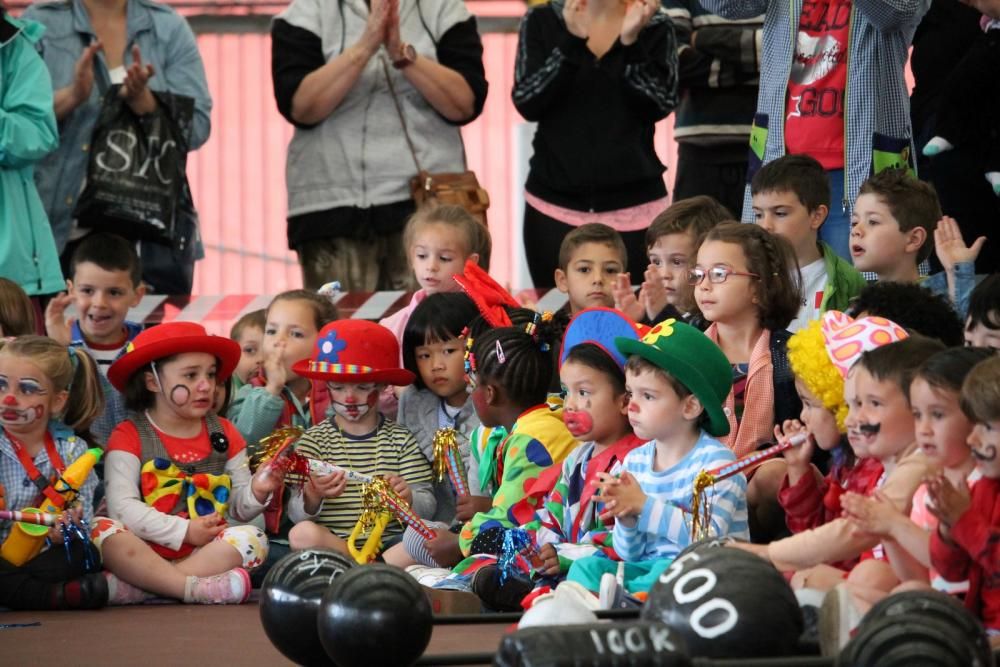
231 587
122 593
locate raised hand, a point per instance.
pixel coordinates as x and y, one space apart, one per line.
949 502
83 74
625 300
874 515
950 246
56 325
577 18
797 457
134 89
652 296
375 28
400 486
393 42
637 15
274 369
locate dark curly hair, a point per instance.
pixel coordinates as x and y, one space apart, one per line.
912 307
526 367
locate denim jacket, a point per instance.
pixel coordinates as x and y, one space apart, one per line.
877 107
165 41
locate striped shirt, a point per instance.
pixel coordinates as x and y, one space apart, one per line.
663 529
389 450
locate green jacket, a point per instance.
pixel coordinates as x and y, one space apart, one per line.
27 133
843 281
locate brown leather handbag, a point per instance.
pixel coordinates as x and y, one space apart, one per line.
453 188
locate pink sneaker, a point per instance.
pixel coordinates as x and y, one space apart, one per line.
122 593
231 587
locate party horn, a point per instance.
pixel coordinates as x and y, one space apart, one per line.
751 460
40 518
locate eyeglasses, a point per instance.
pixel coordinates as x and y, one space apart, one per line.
716 275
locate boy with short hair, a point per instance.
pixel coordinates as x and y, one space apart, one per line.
966 544
357 359
791 198
105 281
982 327
249 333
677 407
880 425
894 226
671 242
590 259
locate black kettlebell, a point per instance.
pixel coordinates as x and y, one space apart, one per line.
726 603
375 616
290 601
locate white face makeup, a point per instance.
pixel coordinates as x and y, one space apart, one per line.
352 402
27 397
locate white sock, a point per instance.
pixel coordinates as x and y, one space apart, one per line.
937 145
994 178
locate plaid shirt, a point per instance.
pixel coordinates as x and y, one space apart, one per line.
878 104
20 492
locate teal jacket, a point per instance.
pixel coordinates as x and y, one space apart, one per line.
843 281
27 133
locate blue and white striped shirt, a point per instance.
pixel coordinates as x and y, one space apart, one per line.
663 528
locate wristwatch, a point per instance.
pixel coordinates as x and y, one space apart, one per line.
407 56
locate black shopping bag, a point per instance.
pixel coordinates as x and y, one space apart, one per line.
136 174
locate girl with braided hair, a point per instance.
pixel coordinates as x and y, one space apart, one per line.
747 284
509 370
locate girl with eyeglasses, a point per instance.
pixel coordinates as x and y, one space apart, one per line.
747 284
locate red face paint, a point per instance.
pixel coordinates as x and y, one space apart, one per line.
9 400
578 422
180 395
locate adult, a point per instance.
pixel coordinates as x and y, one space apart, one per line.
348 77
832 87
942 39
719 66
596 75
89 45
27 133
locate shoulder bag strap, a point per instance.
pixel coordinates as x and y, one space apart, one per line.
402 121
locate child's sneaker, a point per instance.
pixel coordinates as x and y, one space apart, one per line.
569 604
89 591
231 587
122 593
838 618
428 576
447 602
500 597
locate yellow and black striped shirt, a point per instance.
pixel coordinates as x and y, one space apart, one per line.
389 450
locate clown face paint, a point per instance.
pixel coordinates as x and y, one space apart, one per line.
185 385
883 417
985 442
354 403
593 411
27 398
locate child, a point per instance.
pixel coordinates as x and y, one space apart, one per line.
942 431
567 524
439 240
892 225
591 257
821 355
982 326
106 280
746 284
678 407
791 198
880 425
173 470
434 351
671 241
965 544
248 332
509 370
276 395
913 307
17 313
49 398
357 360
